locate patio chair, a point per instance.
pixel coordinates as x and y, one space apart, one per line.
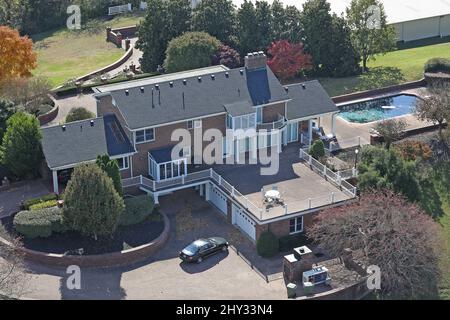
325 137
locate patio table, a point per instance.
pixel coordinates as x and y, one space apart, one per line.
272 194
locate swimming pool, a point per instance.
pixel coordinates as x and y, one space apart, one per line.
378 109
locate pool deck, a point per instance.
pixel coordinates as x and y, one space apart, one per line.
347 131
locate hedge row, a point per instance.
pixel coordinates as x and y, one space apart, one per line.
44 205
32 202
438 65
72 89
137 209
268 244
39 223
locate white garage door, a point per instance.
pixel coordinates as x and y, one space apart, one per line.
219 200
241 219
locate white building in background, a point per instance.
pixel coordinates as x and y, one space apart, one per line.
412 19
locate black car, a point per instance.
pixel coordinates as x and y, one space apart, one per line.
199 249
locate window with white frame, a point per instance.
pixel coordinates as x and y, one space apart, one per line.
191 124
123 163
145 135
296 225
243 122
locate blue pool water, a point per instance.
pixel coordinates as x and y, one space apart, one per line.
378 109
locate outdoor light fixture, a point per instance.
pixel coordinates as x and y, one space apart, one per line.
356 156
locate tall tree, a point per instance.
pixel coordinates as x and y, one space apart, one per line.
111 168
246 28
391 233
190 51
164 21
264 34
279 21
294 30
287 59
216 17
21 146
17 58
344 60
317 24
91 204
371 35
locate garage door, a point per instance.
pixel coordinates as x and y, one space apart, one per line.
240 218
219 200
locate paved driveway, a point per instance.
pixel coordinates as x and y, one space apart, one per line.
11 199
223 276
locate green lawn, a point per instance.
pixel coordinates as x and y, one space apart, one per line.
64 55
394 67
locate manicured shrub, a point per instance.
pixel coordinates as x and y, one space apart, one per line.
317 150
289 242
111 168
76 114
437 65
31 202
91 204
267 244
137 209
39 223
44 205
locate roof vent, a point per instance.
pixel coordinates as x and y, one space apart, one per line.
303 86
92 123
241 72
63 128
127 92
171 84
199 79
286 89
227 74
142 89
157 86
213 77
184 81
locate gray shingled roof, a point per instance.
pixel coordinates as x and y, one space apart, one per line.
196 97
81 141
308 99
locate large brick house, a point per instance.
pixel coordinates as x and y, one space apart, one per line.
136 120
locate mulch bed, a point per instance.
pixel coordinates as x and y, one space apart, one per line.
71 242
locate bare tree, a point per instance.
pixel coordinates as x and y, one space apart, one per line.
391 130
435 107
395 235
13 278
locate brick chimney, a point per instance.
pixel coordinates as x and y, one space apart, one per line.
255 60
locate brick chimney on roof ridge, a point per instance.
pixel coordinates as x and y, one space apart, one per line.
255 60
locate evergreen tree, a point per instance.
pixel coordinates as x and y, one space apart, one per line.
246 28
217 18
111 168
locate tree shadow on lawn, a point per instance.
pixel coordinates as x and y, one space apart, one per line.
380 77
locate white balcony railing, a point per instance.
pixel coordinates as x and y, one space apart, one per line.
261 212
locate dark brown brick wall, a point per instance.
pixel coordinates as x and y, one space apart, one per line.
270 113
281 228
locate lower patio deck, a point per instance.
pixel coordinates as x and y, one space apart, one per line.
301 188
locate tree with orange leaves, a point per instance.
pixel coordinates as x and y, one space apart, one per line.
17 58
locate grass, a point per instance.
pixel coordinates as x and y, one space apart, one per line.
392 68
64 55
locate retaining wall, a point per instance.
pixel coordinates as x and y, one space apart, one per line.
121 258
